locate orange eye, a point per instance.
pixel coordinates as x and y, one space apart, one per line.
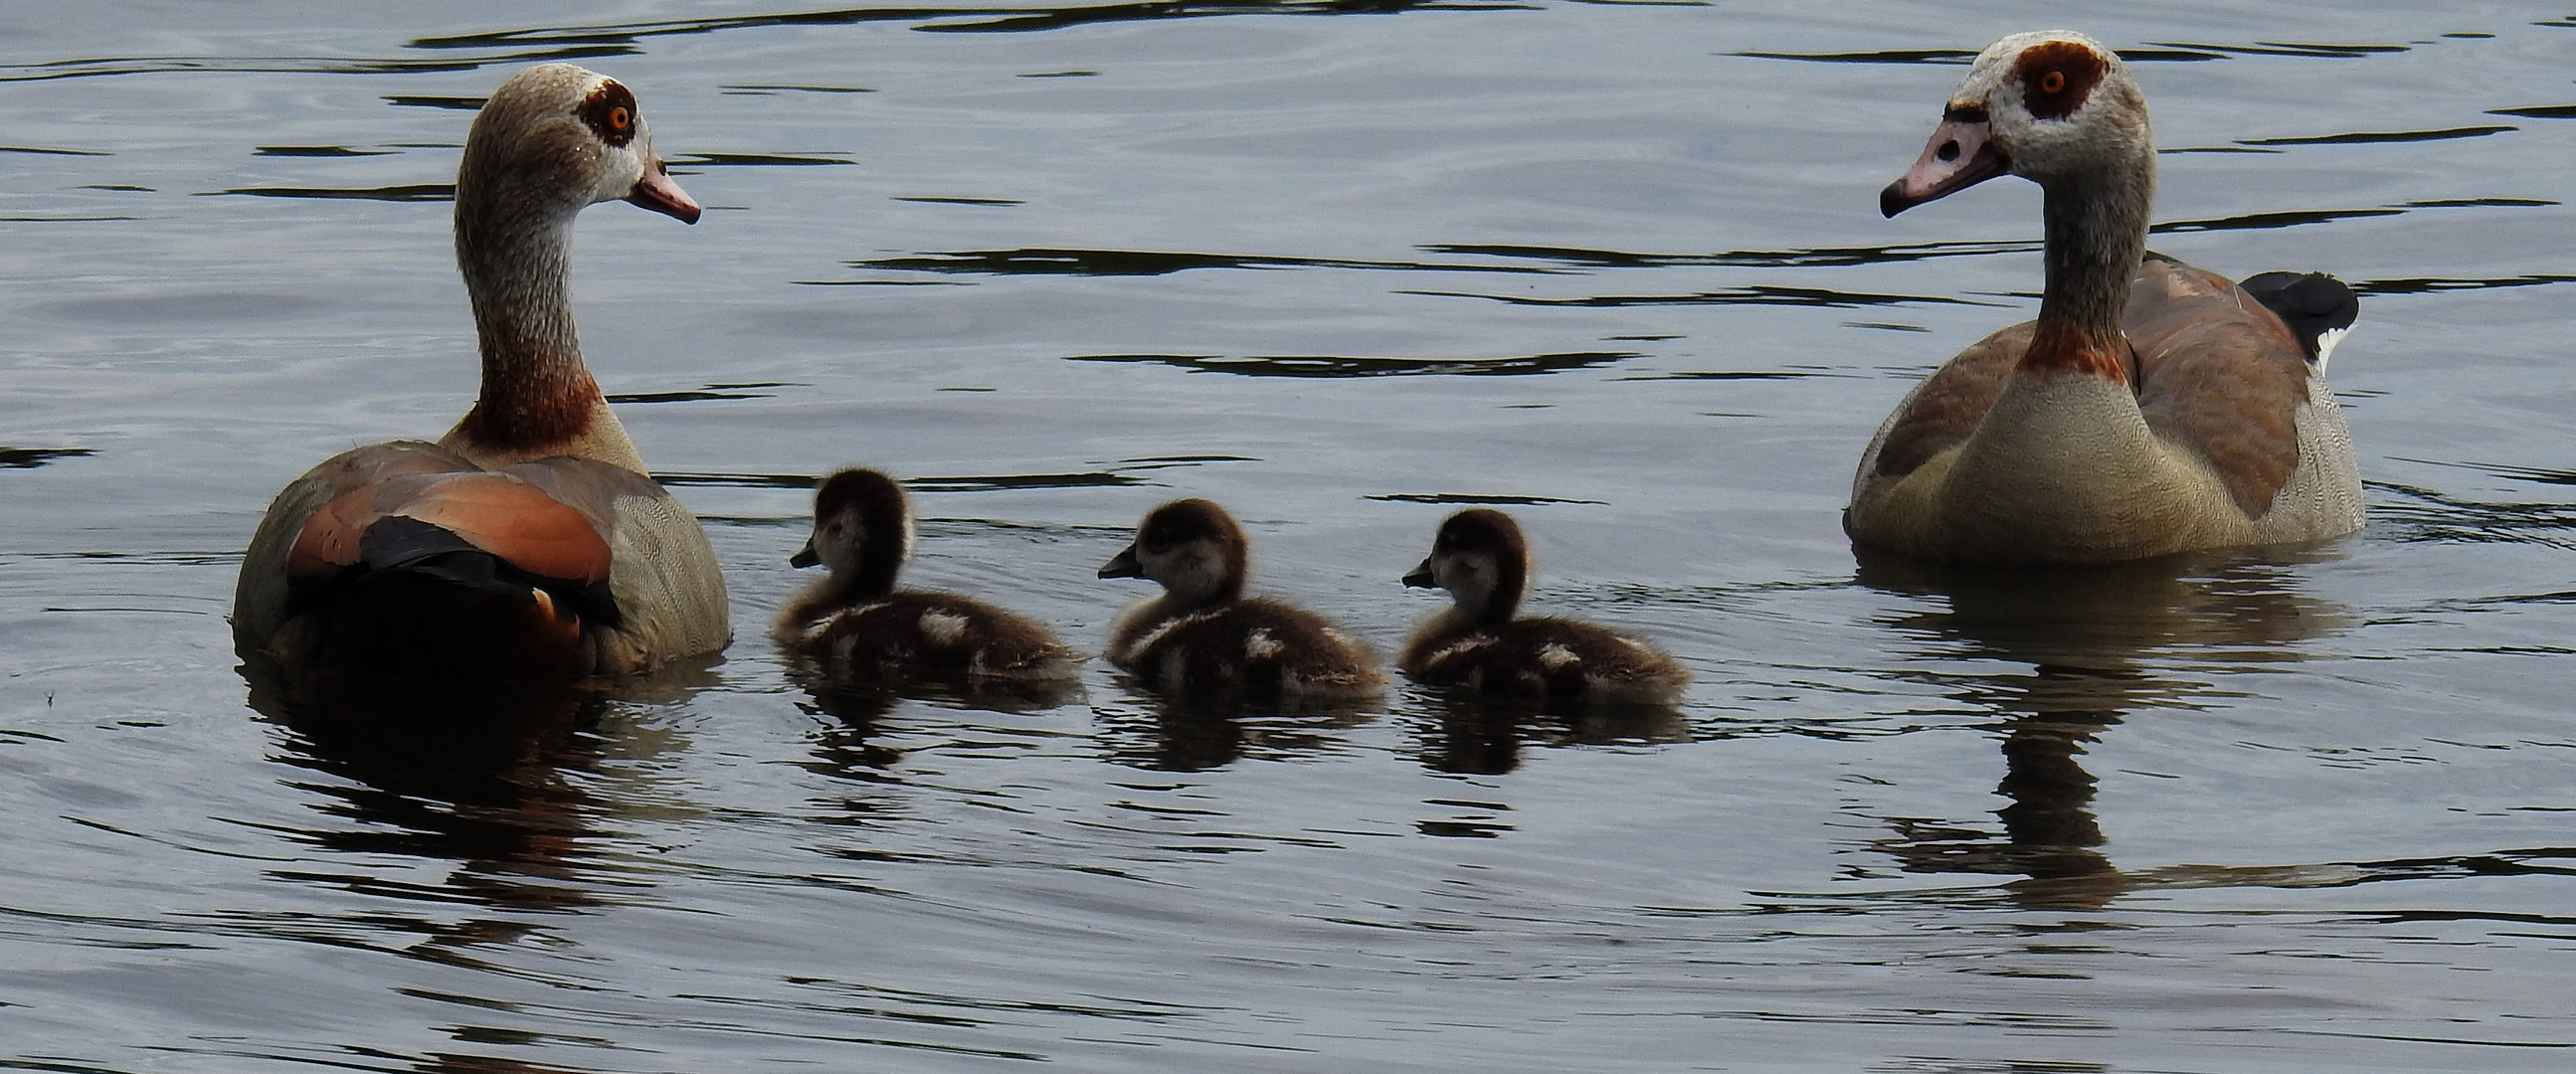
618 118
2052 82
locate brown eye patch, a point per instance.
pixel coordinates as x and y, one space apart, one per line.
610 112
2056 77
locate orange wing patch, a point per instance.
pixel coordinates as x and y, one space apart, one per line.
519 523
498 513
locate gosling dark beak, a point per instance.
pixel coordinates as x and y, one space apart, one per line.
1962 154
805 556
1421 578
1123 565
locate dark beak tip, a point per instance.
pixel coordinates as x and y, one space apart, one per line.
1892 200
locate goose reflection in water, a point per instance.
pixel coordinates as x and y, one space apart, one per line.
485 777
2092 640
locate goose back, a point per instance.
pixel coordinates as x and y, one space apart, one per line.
407 558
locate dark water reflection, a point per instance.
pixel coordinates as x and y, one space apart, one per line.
1473 735
2094 641
1201 734
482 776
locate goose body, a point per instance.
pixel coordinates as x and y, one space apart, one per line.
1204 636
527 542
1482 643
854 623
2152 408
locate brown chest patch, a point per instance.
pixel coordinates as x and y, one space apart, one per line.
2056 348
525 409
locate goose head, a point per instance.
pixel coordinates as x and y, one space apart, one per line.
1480 558
2052 106
862 532
1193 548
556 138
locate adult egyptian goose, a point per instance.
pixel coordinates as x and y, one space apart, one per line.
527 543
855 624
1480 643
2152 408
1204 636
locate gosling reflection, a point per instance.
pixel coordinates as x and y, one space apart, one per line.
2090 638
1485 735
861 711
1199 733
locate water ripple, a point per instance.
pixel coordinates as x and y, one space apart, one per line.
626 37
1472 498
1756 295
318 151
2283 48
20 458
1335 366
2546 111
738 160
982 483
1052 261
1827 256
2370 137
1960 57
2431 285
403 192
299 65
2429 516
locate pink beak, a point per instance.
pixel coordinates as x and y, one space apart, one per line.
657 192
1962 154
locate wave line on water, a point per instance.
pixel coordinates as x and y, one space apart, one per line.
1066 261
628 37
1756 295
1332 366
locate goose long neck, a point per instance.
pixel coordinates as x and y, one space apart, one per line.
517 261
514 247
2096 232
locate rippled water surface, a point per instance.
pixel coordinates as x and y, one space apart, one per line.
1341 266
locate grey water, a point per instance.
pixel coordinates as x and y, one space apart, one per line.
1341 265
